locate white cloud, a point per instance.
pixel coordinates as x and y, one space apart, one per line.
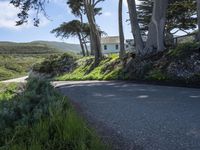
8 17
107 14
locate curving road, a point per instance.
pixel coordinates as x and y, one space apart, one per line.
16 80
151 117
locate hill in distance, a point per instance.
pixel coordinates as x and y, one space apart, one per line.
61 46
38 47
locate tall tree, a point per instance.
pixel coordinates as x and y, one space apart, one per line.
77 8
144 10
180 15
135 27
73 28
89 8
198 16
95 36
26 6
121 32
155 40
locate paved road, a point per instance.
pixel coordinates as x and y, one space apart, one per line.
17 80
153 117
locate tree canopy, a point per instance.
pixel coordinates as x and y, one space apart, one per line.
181 15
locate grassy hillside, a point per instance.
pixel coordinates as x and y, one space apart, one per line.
61 46
180 66
12 66
27 48
68 68
110 68
16 59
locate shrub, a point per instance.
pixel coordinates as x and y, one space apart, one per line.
156 74
7 91
40 118
56 64
5 74
184 50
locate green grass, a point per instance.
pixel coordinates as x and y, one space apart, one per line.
13 66
8 90
184 50
156 75
26 48
42 119
108 69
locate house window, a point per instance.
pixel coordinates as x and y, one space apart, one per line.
105 47
116 46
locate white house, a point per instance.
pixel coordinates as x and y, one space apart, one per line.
111 44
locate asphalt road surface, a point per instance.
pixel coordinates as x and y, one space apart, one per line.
152 117
16 80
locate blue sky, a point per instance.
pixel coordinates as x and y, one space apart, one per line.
58 12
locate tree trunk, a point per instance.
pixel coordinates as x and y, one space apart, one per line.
135 27
92 47
155 40
86 48
198 18
82 37
96 42
121 32
81 44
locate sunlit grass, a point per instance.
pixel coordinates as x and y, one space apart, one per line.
40 118
15 66
108 69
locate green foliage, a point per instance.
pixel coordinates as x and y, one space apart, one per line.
156 74
26 48
181 15
73 28
7 91
107 70
114 75
41 118
56 64
12 66
5 74
184 50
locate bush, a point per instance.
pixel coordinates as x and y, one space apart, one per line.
156 74
7 91
41 118
184 50
5 74
56 64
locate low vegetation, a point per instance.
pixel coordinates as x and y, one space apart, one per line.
179 65
184 50
17 59
68 67
12 66
56 64
108 69
26 48
40 118
8 91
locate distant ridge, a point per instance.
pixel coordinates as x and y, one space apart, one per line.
61 46
37 47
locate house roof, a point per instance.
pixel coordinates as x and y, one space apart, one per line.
110 40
